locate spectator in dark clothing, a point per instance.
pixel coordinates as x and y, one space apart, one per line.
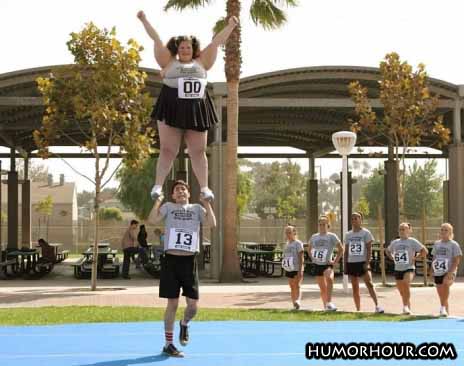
48 252
142 237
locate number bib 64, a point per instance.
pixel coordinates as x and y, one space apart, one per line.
401 257
191 88
183 239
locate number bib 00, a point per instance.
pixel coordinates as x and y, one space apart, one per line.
440 266
288 264
356 248
191 88
183 239
319 255
401 257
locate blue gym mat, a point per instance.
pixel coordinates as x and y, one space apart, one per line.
216 343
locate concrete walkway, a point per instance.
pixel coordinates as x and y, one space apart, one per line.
61 289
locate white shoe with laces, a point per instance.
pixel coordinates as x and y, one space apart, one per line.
379 310
443 312
406 310
330 307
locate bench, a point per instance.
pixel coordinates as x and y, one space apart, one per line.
12 263
61 256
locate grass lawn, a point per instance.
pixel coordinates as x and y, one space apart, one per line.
92 314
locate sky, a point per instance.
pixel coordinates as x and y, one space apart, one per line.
318 33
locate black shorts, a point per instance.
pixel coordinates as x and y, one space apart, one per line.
439 279
319 269
186 114
355 269
178 271
399 275
291 274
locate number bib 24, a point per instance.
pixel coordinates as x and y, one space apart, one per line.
440 266
191 88
183 239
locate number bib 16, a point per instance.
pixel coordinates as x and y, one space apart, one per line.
401 257
183 239
440 266
356 248
319 255
288 264
191 88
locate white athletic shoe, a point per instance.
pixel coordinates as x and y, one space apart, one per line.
207 194
379 310
443 312
330 307
156 192
296 305
406 310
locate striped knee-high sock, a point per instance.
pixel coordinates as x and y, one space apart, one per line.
169 336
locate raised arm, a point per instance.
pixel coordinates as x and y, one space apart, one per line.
162 54
209 54
155 215
210 217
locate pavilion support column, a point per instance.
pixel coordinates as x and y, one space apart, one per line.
217 160
350 202
26 207
12 203
391 205
311 200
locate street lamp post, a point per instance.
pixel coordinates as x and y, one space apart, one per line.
344 142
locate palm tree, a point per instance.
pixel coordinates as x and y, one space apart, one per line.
269 15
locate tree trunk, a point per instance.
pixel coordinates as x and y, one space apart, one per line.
231 265
95 244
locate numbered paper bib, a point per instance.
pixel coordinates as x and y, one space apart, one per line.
356 248
319 255
288 264
401 257
191 88
183 239
440 266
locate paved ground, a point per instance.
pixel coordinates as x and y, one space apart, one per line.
61 289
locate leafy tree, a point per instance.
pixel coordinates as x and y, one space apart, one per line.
98 102
45 209
244 191
84 197
268 14
37 172
134 185
410 115
363 206
373 191
110 214
423 190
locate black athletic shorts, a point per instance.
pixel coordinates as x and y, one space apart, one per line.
291 274
399 275
178 271
439 279
319 269
355 269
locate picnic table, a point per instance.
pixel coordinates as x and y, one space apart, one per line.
255 262
27 263
107 263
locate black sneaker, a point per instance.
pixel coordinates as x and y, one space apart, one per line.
183 334
172 351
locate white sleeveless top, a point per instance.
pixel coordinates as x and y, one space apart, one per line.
177 69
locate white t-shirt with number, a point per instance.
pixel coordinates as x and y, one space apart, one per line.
322 247
182 226
355 245
403 252
290 257
443 253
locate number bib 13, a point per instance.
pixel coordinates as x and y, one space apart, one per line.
356 248
319 255
288 264
191 88
401 257
183 239
440 266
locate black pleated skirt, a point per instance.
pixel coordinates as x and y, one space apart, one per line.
186 114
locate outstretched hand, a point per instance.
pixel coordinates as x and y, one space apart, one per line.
233 20
141 15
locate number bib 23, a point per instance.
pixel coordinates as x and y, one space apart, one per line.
191 88
183 239
356 248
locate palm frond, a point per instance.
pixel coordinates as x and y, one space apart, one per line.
186 4
268 13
